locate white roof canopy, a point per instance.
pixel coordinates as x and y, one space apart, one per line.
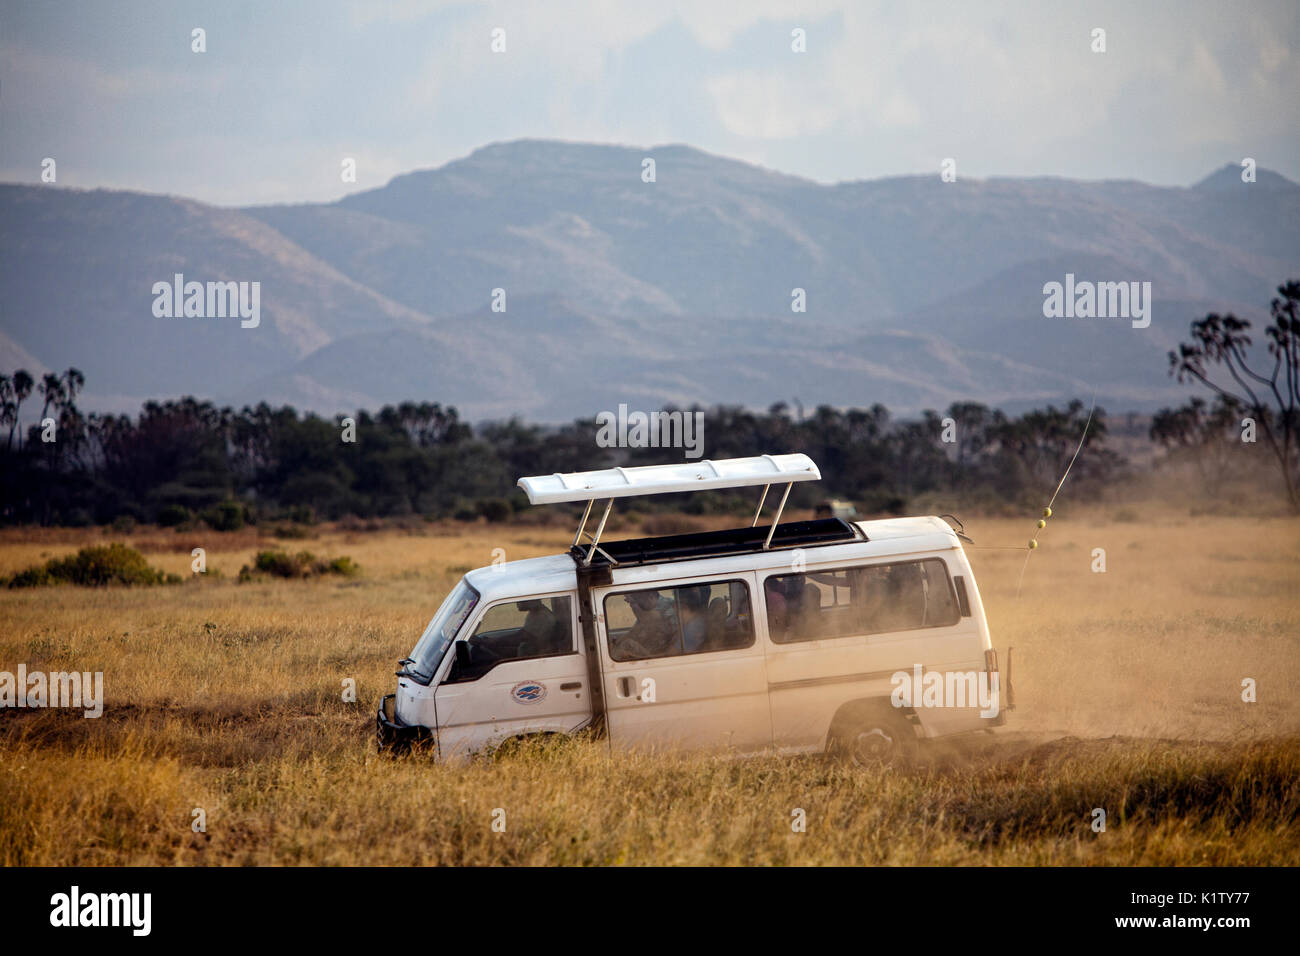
666 479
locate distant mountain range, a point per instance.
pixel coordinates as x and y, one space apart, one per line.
918 292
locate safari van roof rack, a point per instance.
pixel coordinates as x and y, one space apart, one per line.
714 544
611 483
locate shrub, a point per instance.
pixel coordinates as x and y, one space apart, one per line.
280 564
226 516
344 566
355 523
302 514
304 564
495 509
170 516
123 524
292 531
94 567
37 577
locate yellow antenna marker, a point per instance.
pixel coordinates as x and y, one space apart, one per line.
1047 512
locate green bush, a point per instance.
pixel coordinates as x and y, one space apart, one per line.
344 566
495 509
169 516
304 564
123 524
292 531
226 516
94 567
280 564
302 514
37 577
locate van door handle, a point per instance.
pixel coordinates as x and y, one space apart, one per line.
625 687
571 685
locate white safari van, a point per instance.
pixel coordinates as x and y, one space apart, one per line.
857 638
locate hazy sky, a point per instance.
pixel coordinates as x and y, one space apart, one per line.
113 92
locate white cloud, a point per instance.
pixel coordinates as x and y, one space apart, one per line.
1007 88
766 106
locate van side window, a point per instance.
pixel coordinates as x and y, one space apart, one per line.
516 631
872 599
669 622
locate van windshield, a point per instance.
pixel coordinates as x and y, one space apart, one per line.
441 631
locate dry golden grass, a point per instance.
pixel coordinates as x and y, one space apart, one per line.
227 697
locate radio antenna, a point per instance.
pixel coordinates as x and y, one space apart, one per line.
1047 512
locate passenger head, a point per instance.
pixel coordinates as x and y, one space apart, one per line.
792 588
643 601
694 599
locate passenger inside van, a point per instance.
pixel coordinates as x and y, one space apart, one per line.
533 627
793 607
719 621
784 606
655 632
870 594
542 633
692 608
808 620
777 612
730 623
902 604
871 599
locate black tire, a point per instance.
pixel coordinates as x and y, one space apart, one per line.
875 737
395 749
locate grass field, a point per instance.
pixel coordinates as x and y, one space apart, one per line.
227 697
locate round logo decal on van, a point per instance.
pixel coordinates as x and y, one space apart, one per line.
528 691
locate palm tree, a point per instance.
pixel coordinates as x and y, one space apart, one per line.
23 383
54 392
12 393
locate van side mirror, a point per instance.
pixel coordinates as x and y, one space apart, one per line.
462 656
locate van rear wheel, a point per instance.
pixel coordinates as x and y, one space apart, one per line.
876 739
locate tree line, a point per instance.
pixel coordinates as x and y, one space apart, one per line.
184 460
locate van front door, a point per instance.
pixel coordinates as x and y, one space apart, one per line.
520 674
682 667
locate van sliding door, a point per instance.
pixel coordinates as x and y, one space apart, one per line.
682 664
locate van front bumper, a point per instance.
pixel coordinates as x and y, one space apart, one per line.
392 734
